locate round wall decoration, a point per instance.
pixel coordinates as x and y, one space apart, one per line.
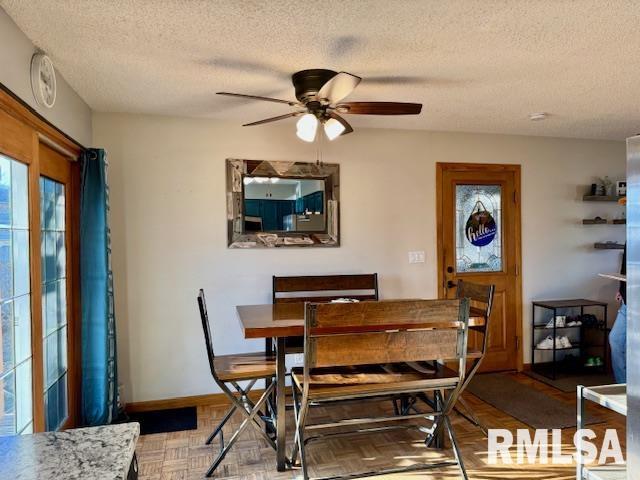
43 80
481 227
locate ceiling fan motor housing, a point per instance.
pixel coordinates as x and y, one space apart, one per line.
308 82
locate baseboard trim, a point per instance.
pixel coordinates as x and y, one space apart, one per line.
210 399
207 400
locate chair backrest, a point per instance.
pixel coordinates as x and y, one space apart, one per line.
340 334
324 288
480 297
208 340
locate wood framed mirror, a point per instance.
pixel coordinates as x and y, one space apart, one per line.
272 204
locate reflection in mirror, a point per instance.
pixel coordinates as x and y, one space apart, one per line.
280 204
277 204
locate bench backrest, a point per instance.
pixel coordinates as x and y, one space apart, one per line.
324 288
340 334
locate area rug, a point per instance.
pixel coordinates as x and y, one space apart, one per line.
530 406
569 383
161 421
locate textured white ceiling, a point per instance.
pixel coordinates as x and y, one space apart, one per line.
476 65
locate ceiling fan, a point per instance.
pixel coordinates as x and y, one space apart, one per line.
320 93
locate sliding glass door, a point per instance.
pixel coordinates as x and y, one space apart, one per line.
39 273
55 216
54 301
16 402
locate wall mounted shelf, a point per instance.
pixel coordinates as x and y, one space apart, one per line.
601 198
608 246
604 221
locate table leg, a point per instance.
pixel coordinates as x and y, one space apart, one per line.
269 426
280 405
438 441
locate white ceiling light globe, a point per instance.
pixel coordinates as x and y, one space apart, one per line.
307 127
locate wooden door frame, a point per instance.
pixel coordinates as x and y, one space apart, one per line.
442 167
24 132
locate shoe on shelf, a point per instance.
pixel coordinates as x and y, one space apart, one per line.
559 320
591 362
597 362
576 323
546 344
564 342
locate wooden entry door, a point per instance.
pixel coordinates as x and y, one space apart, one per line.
479 241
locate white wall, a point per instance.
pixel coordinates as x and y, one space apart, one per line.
169 229
70 113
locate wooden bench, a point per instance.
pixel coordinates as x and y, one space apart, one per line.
360 350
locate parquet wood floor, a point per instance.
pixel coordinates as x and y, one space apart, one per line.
184 456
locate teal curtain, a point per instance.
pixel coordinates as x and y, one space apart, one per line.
99 367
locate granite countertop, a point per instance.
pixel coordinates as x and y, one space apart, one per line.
94 453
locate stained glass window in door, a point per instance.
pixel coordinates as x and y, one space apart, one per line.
478 228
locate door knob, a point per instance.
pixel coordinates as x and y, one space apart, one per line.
449 269
451 284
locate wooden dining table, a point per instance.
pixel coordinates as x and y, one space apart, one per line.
276 322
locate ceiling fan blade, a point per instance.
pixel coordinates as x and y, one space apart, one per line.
347 128
273 119
338 88
257 97
379 108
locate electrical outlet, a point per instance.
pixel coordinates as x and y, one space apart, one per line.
416 257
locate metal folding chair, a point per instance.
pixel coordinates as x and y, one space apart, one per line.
481 302
344 361
228 371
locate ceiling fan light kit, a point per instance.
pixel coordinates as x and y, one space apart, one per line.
307 127
333 128
320 93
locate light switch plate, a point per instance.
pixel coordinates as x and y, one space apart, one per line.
416 257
